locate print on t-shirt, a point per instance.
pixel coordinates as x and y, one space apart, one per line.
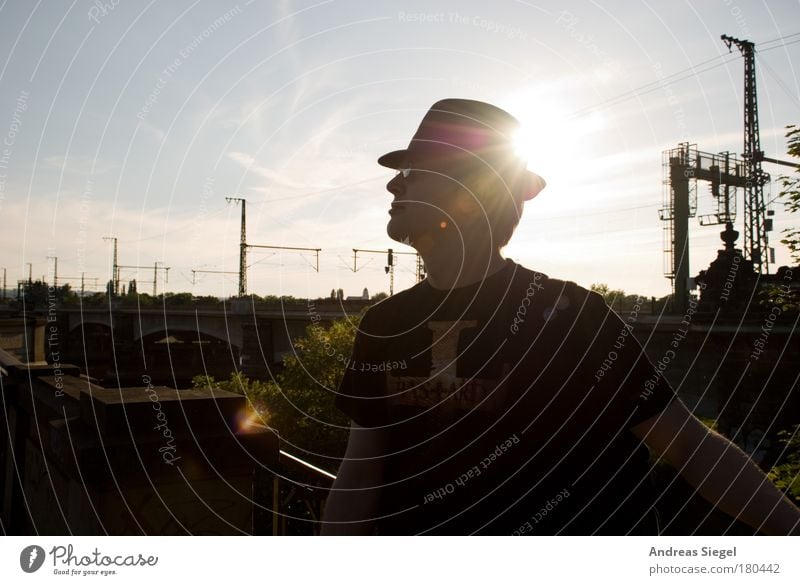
445 389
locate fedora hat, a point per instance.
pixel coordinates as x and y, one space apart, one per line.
467 132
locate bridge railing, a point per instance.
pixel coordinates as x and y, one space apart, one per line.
290 497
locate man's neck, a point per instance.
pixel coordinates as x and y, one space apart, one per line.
447 269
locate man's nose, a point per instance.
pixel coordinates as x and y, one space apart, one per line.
396 185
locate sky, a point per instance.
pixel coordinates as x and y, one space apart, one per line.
135 120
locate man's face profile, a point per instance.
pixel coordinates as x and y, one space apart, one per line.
426 204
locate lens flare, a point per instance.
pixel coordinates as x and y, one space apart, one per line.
248 419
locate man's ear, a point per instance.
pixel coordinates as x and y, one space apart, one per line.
467 204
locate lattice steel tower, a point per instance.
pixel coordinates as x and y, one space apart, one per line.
756 244
242 245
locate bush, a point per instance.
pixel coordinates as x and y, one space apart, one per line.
786 475
299 403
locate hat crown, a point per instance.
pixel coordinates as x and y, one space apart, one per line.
467 124
475 113
455 130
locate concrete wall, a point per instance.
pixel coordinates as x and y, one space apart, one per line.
83 459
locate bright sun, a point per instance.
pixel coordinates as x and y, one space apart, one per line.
550 138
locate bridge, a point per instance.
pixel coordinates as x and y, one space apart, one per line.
172 344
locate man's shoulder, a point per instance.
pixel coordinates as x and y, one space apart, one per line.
535 281
556 286
391 305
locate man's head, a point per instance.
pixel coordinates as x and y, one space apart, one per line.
460 168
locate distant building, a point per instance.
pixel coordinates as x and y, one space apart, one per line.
364 296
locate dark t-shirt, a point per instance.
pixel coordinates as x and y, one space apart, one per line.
507 406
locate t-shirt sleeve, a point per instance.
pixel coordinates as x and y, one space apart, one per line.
361 393
621 375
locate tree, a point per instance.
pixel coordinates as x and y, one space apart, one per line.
207 300
616 298
786 475
299 404
40 294
281 300
174 299
137 299
790 193
609 295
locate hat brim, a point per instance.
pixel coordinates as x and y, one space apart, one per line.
394 159
533 183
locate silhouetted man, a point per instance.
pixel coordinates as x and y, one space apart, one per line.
492 399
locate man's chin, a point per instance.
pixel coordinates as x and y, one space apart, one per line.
398 233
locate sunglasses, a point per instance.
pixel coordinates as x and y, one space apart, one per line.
405 172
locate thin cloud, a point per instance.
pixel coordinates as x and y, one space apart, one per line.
78 165
249 163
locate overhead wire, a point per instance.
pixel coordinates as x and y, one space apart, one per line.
779 81
778 39
191 223
651 87
692 71
779 46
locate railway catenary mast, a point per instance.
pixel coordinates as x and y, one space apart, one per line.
756 223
